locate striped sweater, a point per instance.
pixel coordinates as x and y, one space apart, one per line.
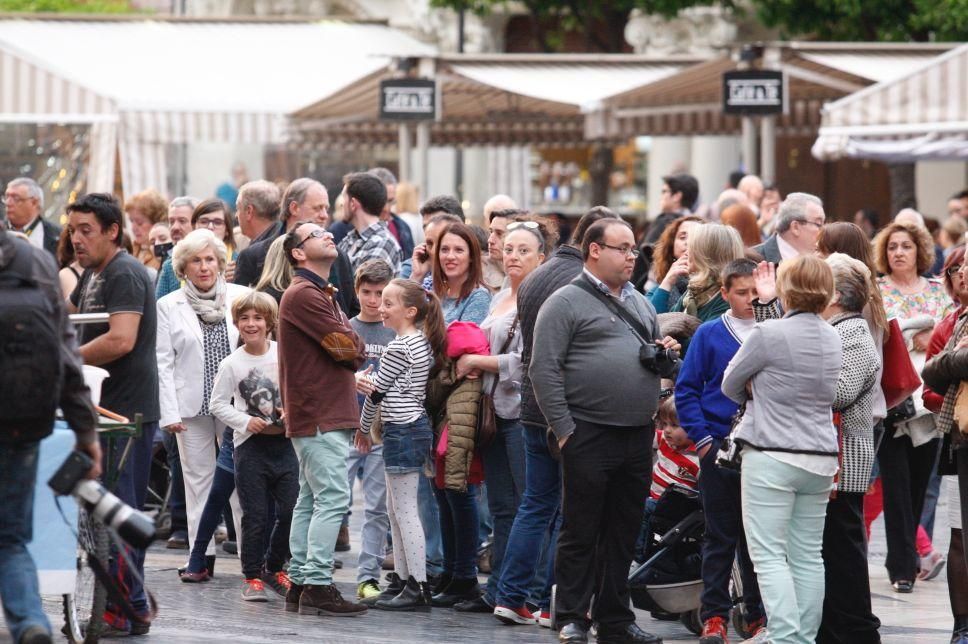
673 466
401 383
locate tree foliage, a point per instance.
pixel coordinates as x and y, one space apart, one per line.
602 22
67 6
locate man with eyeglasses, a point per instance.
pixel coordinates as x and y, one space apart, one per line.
798 224
596 366
24 199
319 353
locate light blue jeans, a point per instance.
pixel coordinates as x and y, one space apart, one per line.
784 508
324 497
375 519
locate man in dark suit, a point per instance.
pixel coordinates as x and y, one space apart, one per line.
798 224
257 208
24 199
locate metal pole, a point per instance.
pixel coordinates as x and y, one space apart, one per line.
768 149
404 152
459 152
749 144
422 176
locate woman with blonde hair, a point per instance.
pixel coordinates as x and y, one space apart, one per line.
277 272
710 248
144 210
408 209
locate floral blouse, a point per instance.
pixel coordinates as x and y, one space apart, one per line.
931 301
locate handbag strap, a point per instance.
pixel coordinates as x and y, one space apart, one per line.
635 325
504 349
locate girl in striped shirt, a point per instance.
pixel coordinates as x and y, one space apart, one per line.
399 391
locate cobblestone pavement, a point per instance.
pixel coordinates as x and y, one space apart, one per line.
214 612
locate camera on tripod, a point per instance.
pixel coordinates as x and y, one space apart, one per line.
136 528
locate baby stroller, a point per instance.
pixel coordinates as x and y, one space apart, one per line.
669 582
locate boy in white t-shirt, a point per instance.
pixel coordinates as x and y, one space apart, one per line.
245 396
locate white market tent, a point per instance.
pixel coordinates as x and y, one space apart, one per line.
921 115
144 83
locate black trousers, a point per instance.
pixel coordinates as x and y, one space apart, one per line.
847 616
606 473
265 468
905 471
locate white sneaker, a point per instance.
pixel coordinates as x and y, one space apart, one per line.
931 566
762 637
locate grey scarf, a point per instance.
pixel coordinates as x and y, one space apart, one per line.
208 305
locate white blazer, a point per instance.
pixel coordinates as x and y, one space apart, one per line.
181 356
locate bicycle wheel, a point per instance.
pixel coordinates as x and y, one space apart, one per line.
84 610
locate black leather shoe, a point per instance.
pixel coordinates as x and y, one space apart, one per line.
631 634
457 591
573 634
476 605
413 597
395 588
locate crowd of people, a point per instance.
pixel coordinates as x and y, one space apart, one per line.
505 390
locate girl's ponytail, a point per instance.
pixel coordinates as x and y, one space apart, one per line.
430 318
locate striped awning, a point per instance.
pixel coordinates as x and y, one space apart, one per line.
690 102
921 115
497 100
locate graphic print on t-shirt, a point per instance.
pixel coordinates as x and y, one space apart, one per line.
261 396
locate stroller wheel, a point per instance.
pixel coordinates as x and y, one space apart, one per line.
691 621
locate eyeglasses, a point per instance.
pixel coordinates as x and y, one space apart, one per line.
316 234
807 221
530 225
7 196
953 270
210 222
628 252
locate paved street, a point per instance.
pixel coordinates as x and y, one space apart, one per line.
214 612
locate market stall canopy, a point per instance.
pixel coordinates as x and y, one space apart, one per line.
691 102
921 115
183 80
497 99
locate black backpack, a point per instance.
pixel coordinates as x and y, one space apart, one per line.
30 361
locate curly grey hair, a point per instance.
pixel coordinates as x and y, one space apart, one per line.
194 243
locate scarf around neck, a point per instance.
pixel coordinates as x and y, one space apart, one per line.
696 297
208 305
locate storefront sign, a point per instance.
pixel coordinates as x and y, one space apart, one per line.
753 92
408 100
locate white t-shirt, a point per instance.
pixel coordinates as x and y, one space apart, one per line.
246 386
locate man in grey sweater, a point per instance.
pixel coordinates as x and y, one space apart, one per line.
599 395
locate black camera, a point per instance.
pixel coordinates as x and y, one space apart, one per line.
655 357
136 528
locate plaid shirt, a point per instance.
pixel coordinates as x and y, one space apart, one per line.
946 417
374 242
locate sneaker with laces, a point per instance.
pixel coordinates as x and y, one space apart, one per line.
931 566
519 615
714 631
368 589
253 590
277 581
544 618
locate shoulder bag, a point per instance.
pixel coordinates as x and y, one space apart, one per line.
900 379
486 416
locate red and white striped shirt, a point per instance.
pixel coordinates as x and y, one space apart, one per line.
673 466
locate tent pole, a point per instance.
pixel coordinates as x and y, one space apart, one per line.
749 144
768 149
422 176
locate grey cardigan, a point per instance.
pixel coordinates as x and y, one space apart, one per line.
793 364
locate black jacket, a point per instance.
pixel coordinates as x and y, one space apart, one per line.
75 397
560 269
770 250
51 236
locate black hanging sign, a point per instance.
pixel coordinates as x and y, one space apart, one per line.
408 99
753 92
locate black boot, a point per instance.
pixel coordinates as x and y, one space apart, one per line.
413 597
960 633
395 588
442 582
458 590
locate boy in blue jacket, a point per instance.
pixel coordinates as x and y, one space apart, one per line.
706 415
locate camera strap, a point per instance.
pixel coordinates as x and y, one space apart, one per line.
634 324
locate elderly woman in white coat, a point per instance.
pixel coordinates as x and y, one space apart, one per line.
195 333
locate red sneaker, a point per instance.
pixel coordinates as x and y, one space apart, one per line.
714 631
544 618
520 615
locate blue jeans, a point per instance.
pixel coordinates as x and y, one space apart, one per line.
132 488
19 588
504 475
375 519
540 505
784 510
223 484
176 500
430 520
645 532
458 531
